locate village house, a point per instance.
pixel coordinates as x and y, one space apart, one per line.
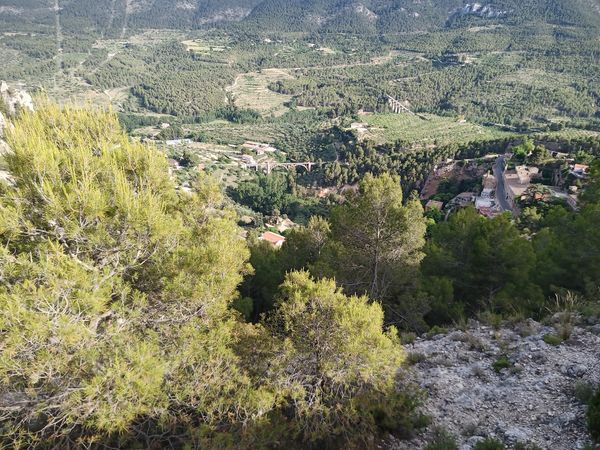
463 199
360 127
282 225
276 240
248 159
434 204
175 142
489 213
486 200
517 181
580 170
573 201
259 147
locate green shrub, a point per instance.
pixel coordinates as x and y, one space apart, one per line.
442 440
408 338
501 363
552 339
583 392
491 318
421 421
413 358
436 330
522 446
593 416
490 444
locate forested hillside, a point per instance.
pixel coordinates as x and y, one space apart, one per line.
306 15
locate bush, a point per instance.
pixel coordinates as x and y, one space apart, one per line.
490 444
593 416
415 358
522 446
501 363
442 440
583 392
435 330
408 338
552 339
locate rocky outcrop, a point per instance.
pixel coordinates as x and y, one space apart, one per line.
3 124
479 10
508 384
15 99
11 101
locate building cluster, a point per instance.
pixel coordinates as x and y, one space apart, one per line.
517 181
281 224
259 147
520 180
517 184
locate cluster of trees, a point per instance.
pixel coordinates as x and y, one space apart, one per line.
117 327
276 194
372 245
166 79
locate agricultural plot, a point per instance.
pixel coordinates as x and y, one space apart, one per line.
202 47
227 133
251 91
427 129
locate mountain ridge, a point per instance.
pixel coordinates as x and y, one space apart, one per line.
314 15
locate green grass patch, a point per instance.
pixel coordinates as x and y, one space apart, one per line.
501 363
552 339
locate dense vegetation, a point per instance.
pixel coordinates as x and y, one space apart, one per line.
133 313
337 16
373 244
526 66
117 327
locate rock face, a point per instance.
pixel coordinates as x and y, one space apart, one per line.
11 101
15 99
3 124
527 398
479 10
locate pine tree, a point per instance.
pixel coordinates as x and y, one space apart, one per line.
116 291
336 363
376 245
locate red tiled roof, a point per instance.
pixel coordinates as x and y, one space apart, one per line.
272 238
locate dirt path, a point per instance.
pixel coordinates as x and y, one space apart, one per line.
126 18
59 42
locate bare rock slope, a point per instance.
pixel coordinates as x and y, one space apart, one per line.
508 384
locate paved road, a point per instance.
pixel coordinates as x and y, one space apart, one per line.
500 188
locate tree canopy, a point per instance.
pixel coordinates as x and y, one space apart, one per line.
117 325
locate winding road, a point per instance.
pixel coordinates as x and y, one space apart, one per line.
59 42
499 166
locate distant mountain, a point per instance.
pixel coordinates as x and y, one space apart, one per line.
423 15
307 15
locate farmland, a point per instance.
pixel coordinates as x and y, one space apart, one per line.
427 129
251 91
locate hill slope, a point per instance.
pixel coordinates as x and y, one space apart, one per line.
307 15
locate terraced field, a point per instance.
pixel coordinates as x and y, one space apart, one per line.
427 129
251 90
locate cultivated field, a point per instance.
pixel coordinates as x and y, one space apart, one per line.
251 90
427 129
